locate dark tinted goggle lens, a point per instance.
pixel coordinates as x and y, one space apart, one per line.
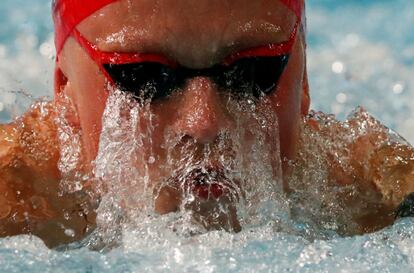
146 80
255 76
149 80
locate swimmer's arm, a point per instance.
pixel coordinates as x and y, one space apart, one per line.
382 170
31 200
30 144
373 172
387 169
28 165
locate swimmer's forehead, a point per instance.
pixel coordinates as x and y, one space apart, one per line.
195 33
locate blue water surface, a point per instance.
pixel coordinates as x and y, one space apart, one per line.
361 52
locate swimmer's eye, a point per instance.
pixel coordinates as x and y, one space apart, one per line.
251 76
146 80
255 76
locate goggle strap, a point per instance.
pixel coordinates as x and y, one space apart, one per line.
67 14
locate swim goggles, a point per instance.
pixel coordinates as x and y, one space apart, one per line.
254 71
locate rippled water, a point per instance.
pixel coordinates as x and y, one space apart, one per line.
360 53
261 251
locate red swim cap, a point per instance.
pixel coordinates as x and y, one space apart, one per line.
67 14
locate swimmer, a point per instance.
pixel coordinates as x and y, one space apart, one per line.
188 62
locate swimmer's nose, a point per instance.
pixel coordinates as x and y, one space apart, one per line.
202 115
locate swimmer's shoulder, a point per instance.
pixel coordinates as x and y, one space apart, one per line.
367 154
31 142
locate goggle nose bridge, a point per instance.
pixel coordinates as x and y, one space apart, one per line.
190 73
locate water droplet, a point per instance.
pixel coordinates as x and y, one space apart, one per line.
191 198
70 232
398 88
151 160
337 67
341 97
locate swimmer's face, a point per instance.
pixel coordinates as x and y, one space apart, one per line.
195 34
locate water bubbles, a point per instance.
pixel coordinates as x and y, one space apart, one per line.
78 186
151 160
191 198
66 215
178 256
246 27
69 138
206 182
69 232
337 67
47 49
271 28
314 254
341 98
398 88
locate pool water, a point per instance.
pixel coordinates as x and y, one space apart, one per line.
360 53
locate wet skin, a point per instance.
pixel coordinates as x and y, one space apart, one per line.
184 31
197 34
173 30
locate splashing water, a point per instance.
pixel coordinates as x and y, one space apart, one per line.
137 240
309 219
231 183
313 244
326 194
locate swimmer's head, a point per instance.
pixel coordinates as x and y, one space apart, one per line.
196 55
67 14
